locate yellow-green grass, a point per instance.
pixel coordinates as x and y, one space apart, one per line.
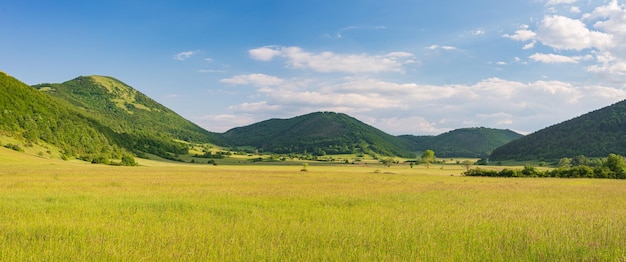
52 210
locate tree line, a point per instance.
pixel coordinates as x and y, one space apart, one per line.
612 166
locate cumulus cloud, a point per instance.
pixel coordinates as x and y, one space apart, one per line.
590 40
563 33
597 35
184 55
328 62
265 53
430 109
569 34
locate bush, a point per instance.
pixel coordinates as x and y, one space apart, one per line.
128 160
14 147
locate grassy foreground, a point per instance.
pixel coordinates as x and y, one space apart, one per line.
69 211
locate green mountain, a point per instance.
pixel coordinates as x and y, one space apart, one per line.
317 133
37 118
464 142
98 117
143 124
595 134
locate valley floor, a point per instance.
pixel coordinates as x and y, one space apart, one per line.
53 210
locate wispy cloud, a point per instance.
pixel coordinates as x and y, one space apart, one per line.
445 47
559 2
327 62
554 59
261 80
340 33
184 55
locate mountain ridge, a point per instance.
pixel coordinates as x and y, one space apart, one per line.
39 119
145 125
595 134
318 133
463 142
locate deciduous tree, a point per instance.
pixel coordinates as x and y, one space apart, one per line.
428 157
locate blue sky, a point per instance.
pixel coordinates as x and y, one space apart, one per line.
406 67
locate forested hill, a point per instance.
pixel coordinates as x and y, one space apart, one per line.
146 125
37 118
317 133
464 142
595 134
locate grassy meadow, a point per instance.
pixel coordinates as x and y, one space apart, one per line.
52 210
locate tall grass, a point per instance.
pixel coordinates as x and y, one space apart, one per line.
60 211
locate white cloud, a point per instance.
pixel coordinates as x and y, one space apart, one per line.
614 17
478 32
445 47
552 58
530 45
432 109
596 36
559 2
223 122
261 80
265 53
564 33
522 34
327 62
184 55
569 34
405 125
255 107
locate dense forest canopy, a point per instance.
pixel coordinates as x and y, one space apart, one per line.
40 119
317 133
594 134
463 142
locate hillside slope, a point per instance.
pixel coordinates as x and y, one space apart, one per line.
318 133
146 125
36 118
463 142
595 134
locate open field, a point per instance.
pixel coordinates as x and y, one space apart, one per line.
52 210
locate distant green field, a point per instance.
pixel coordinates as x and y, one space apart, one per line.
52 210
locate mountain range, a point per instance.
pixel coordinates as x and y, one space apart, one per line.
99 116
